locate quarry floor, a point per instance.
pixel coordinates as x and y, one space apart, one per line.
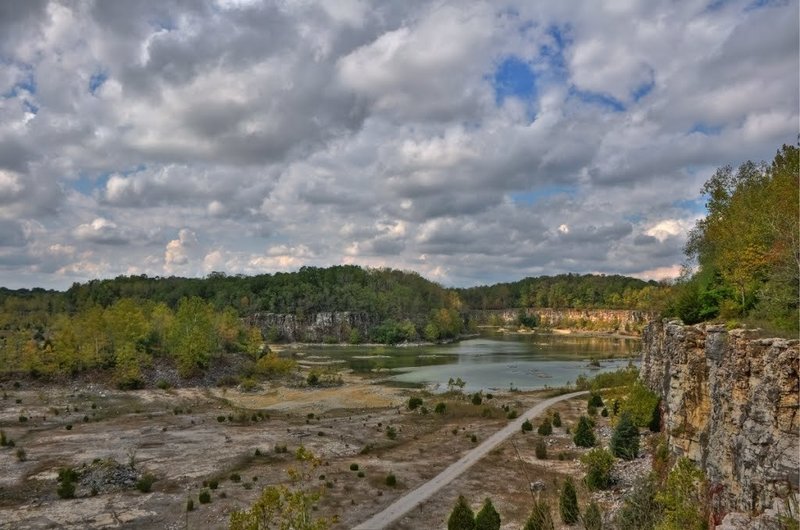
186 437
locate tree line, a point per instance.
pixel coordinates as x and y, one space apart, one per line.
747 249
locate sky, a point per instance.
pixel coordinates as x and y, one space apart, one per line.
472 142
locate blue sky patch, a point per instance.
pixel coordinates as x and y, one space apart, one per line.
598 98
642 90
514 78
96 81
706 129
696 205
537 195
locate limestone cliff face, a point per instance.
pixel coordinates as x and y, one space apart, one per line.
609 320
730 404
319 327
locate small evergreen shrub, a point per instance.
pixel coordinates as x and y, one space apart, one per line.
487 518
462 517
391 480
414 403
236 477
190 505
391 432
541 449
540 517
353 467
599 464
204 497
568 503
556 419
592 517
595 400
145 483
545 428
440 408
625 440
584 435
477 399
360 474
21 454
604 412
526 426
213 484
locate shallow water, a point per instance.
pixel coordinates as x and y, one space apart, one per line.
525 362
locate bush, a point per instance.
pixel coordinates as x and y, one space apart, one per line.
353 467
625 440
391 480
462 517
599 464
512 414
21 454
526 426
541 449
3 439
414 403
591 410
220 419
556 419
487 518
312 379
391 432
477 399
584 436
540 517
473 438
568 503
204 497
145 483
236 477
545 428
639 510
213 484
190 505
66 490
592 518
641 404
440 408
683 497
604 412
595 400
360 474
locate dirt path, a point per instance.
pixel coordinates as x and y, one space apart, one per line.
407 502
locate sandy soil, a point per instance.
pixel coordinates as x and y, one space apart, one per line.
188 436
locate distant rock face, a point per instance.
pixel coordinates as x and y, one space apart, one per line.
730 404
609 320
318 327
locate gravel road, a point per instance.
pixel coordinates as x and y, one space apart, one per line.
424 492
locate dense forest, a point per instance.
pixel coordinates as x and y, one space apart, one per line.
123 324
747 249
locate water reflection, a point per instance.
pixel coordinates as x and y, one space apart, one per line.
526 362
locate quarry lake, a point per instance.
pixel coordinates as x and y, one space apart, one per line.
488 362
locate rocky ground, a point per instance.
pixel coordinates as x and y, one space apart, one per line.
190 436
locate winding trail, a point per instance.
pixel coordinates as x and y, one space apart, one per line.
425 491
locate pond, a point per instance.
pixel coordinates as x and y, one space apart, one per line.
489 362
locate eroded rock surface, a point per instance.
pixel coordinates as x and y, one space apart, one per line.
730 404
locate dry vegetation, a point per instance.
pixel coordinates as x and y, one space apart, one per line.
230 443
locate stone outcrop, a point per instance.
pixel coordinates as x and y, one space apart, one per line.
730 404
606 320
318 327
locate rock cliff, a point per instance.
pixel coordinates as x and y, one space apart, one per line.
730 403
319 327
607 320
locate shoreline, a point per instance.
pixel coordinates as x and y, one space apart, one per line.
278 347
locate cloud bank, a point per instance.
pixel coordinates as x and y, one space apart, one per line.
470 141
